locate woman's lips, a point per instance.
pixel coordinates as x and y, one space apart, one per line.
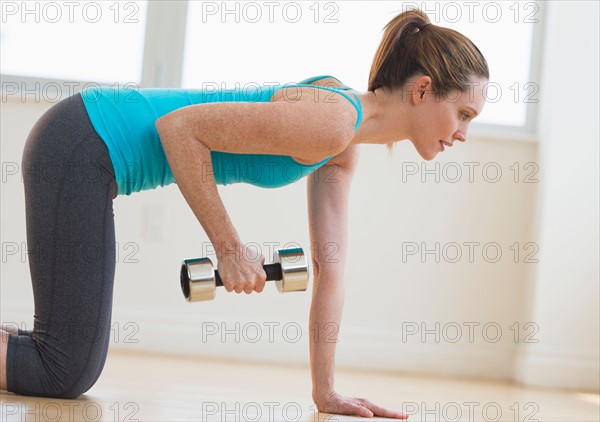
445 144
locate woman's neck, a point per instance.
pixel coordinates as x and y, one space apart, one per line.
385 118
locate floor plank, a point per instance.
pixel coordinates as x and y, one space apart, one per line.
146 387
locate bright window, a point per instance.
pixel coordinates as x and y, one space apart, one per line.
101 41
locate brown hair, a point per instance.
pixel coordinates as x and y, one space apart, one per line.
412 45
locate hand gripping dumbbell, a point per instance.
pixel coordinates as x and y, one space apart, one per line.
289 270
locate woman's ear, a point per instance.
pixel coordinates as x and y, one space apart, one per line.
419 87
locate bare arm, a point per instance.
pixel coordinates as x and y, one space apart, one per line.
304 129
328 191
191 164
189 134
328 218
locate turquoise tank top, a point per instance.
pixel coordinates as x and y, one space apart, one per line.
125 120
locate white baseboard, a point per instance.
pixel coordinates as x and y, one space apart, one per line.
558 367
358 348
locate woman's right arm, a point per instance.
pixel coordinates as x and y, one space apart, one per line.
240 269
302 129
191 164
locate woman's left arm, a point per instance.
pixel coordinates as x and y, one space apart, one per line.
328 194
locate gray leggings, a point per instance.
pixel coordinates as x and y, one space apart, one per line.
69 190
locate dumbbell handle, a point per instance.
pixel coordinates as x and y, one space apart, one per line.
273 273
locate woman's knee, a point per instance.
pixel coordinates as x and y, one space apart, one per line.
54 369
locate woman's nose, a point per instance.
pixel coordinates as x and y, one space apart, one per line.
461 133
459 136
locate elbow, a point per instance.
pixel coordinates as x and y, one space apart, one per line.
174 125
340 142
163 125
172 129
173 121
323 270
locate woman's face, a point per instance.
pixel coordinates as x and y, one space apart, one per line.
442 121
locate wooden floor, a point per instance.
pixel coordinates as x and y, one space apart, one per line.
158 388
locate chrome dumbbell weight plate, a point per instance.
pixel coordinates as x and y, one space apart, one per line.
294 270
198 279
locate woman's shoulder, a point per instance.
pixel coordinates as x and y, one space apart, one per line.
305 91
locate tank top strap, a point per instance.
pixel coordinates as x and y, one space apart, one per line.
316 78
356 103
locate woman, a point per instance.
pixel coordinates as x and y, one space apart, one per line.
426 85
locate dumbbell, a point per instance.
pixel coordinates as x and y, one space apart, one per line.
289 270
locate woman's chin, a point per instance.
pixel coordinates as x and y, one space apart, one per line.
428 155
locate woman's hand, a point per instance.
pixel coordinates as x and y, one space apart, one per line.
241 269
334 403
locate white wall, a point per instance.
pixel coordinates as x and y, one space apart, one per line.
566 292
385 297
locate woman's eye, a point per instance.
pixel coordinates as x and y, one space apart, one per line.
466 115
